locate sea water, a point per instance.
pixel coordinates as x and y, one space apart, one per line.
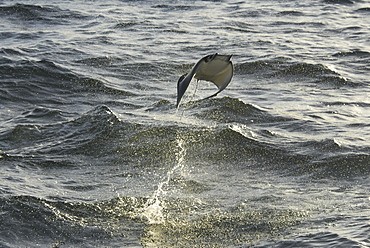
93 152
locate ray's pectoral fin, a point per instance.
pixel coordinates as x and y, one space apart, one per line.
184 82
222 79
215 94
182 85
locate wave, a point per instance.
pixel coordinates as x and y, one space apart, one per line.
365 9
27 11
263 67
353 53
99 61
339 1
279 68
99 134
284 67
69 137
33 222
306 70
43 14
10 52
324 239
320 74
228 110
57 222
244 139
39 82
42 115
340 103
290 13
174 7
211 227
341 166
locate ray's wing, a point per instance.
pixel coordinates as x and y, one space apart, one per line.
185 80
219 71
223 78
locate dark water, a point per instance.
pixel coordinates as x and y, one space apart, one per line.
94 154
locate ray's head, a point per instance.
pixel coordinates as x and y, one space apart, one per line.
216 56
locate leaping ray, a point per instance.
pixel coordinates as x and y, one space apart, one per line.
215 68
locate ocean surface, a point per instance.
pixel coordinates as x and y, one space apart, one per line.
93 152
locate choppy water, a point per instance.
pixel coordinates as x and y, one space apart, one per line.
94 154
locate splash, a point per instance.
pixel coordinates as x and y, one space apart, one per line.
153 210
